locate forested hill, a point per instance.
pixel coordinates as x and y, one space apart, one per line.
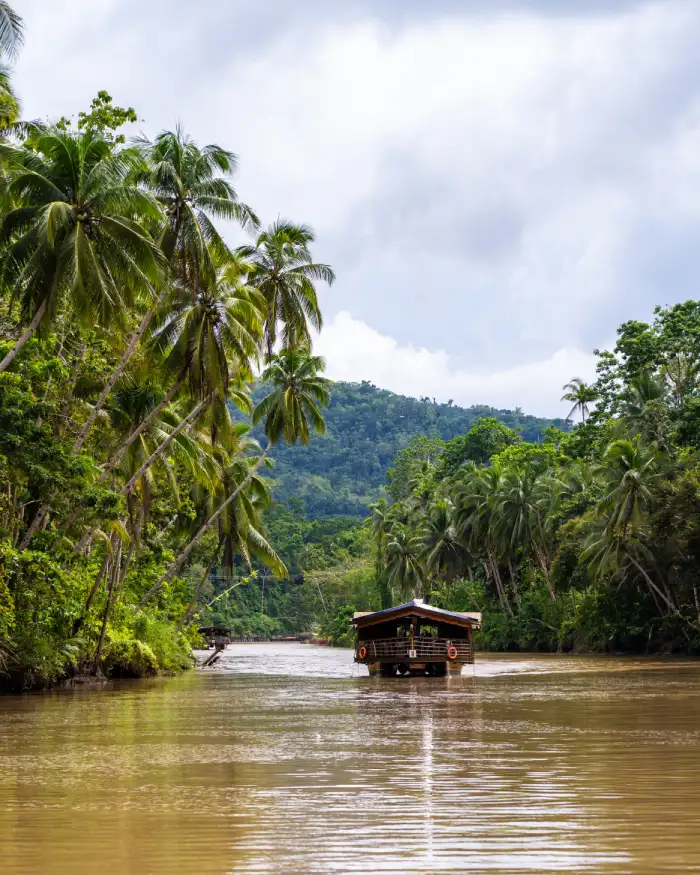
343 472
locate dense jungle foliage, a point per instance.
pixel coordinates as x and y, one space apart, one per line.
128 327
136 495
344 472
587 540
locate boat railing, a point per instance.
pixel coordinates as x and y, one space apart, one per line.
424 647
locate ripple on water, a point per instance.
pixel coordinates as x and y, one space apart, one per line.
285 760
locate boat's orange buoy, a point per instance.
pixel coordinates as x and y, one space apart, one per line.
363 652
452 652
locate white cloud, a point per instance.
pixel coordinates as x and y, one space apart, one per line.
354 351
501 188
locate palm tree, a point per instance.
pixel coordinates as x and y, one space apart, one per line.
580 395
285 273
646 408
206 340
183 179
478 524
73 236
630 471
403 558
519 514
11 30
443 550
292 408
624 553
9 102
192 184
380 524
290 412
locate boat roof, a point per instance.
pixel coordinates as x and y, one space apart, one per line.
419 608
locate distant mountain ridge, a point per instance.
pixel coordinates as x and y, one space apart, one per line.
344 471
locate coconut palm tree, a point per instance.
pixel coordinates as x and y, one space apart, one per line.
519 514
630 471
9 102
478 523
11 30
380 524
580 395
183 178
403 561
206 340
293 407
285 273
443 550
74 236
625 554
290 412
193 185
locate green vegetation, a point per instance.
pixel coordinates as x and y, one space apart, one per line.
128 329
344 472
135 495
586 540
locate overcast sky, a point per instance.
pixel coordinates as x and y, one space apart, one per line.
497 184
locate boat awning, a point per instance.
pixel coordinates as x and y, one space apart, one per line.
416 608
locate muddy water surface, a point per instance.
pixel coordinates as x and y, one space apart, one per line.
285 760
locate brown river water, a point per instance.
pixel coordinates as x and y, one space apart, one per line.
287 759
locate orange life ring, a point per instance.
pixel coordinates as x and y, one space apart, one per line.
362 652
452 652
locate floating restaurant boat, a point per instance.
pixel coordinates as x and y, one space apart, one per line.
416 639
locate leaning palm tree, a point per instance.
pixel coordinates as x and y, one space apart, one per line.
617 554
285 273
290 412
204 340
183 178
73 235
580 395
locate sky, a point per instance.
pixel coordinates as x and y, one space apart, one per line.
498 184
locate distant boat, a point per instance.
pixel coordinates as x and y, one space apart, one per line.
416 639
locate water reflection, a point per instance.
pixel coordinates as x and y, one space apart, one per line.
282 761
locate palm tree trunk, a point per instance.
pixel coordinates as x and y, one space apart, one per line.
193 604
545 571
28 334
75 372
39 518
513 583
654 588
191 417
116 373
499 584
77 625
141 428
135 534
108 606
170 573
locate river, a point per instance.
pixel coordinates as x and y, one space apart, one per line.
286 760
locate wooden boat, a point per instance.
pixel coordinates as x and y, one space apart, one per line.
416 639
